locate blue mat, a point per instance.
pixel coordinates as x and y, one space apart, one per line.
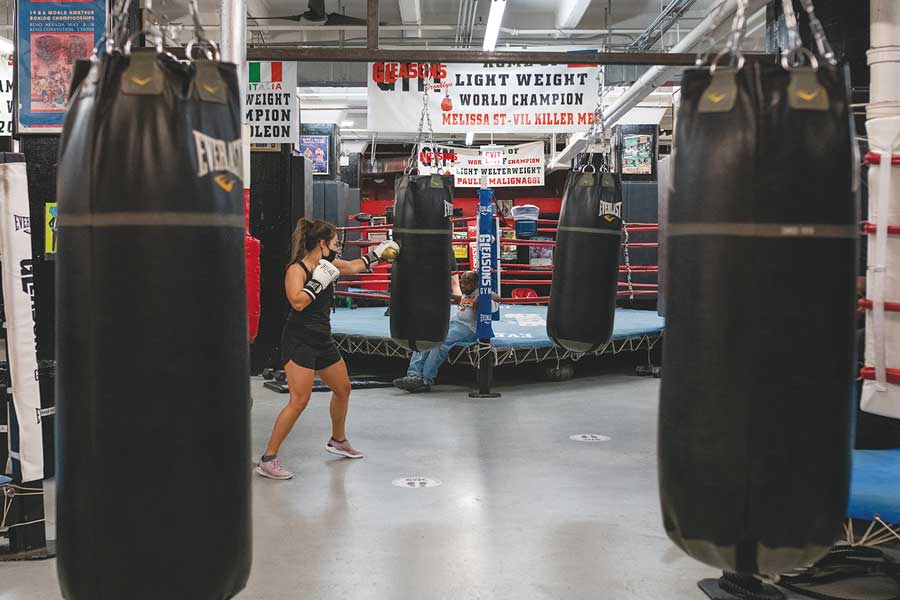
520 326
875 485
4 480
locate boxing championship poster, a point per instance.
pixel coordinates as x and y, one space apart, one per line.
6 94
50 38
463 98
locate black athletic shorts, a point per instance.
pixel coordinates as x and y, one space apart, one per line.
309 356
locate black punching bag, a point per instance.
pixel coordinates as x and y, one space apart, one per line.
153 490
758 369
420 278
586 262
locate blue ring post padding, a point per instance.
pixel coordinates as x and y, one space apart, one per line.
4 480
487 258
875 485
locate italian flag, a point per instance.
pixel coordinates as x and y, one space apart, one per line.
265 72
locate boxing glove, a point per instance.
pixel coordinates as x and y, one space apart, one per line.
323 276
383 251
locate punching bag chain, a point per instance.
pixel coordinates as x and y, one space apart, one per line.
627 260
790 24
818 32
738 27
424 118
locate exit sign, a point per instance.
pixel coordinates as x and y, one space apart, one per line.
492 156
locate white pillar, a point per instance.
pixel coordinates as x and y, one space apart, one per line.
884 59
883 275
233 46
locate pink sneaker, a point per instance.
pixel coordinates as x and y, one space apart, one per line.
273 470
342 449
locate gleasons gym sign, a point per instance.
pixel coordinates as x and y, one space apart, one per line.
501 98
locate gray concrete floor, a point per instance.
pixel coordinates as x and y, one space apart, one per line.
523 512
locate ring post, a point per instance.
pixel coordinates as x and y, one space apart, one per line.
488 272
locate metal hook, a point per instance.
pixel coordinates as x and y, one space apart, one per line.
735 54
793 59
136 34
211 50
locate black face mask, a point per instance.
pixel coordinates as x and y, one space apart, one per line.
331 255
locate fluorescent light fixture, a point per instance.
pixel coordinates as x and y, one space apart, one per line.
348 123
470 137
493 25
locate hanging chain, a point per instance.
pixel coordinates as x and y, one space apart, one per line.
627 261
790 23
199 32
596 133
597 126
424 117
738 25
117 25
818 32
709 42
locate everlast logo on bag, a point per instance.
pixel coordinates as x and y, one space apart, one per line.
225 159
611 208
23 223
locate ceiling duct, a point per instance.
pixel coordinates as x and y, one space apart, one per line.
673 11
316 15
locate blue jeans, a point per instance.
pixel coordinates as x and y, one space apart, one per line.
426 364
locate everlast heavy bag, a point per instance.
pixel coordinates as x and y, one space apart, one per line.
757 383
153 490
420 278
586 265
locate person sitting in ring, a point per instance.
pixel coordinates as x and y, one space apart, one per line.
424 366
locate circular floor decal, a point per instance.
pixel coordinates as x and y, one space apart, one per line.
589 437
417 482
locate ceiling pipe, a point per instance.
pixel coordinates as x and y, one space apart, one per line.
716 25
458 19
512 31
471 29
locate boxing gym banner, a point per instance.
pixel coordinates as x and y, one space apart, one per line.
50 38
273 112
6 95
463 98
521 165
26 427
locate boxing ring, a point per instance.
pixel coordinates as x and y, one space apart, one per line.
521 333
520 336
875 497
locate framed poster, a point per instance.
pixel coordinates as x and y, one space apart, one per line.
50 38
637 152
315 148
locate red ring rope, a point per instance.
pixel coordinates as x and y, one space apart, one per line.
874 158
871 228
867 304
868 373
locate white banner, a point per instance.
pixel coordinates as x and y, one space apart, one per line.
522 165
480 98
6 96
273 112
18 301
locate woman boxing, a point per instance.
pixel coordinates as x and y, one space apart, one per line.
307 348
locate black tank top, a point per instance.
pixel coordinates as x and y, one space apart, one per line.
312 324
